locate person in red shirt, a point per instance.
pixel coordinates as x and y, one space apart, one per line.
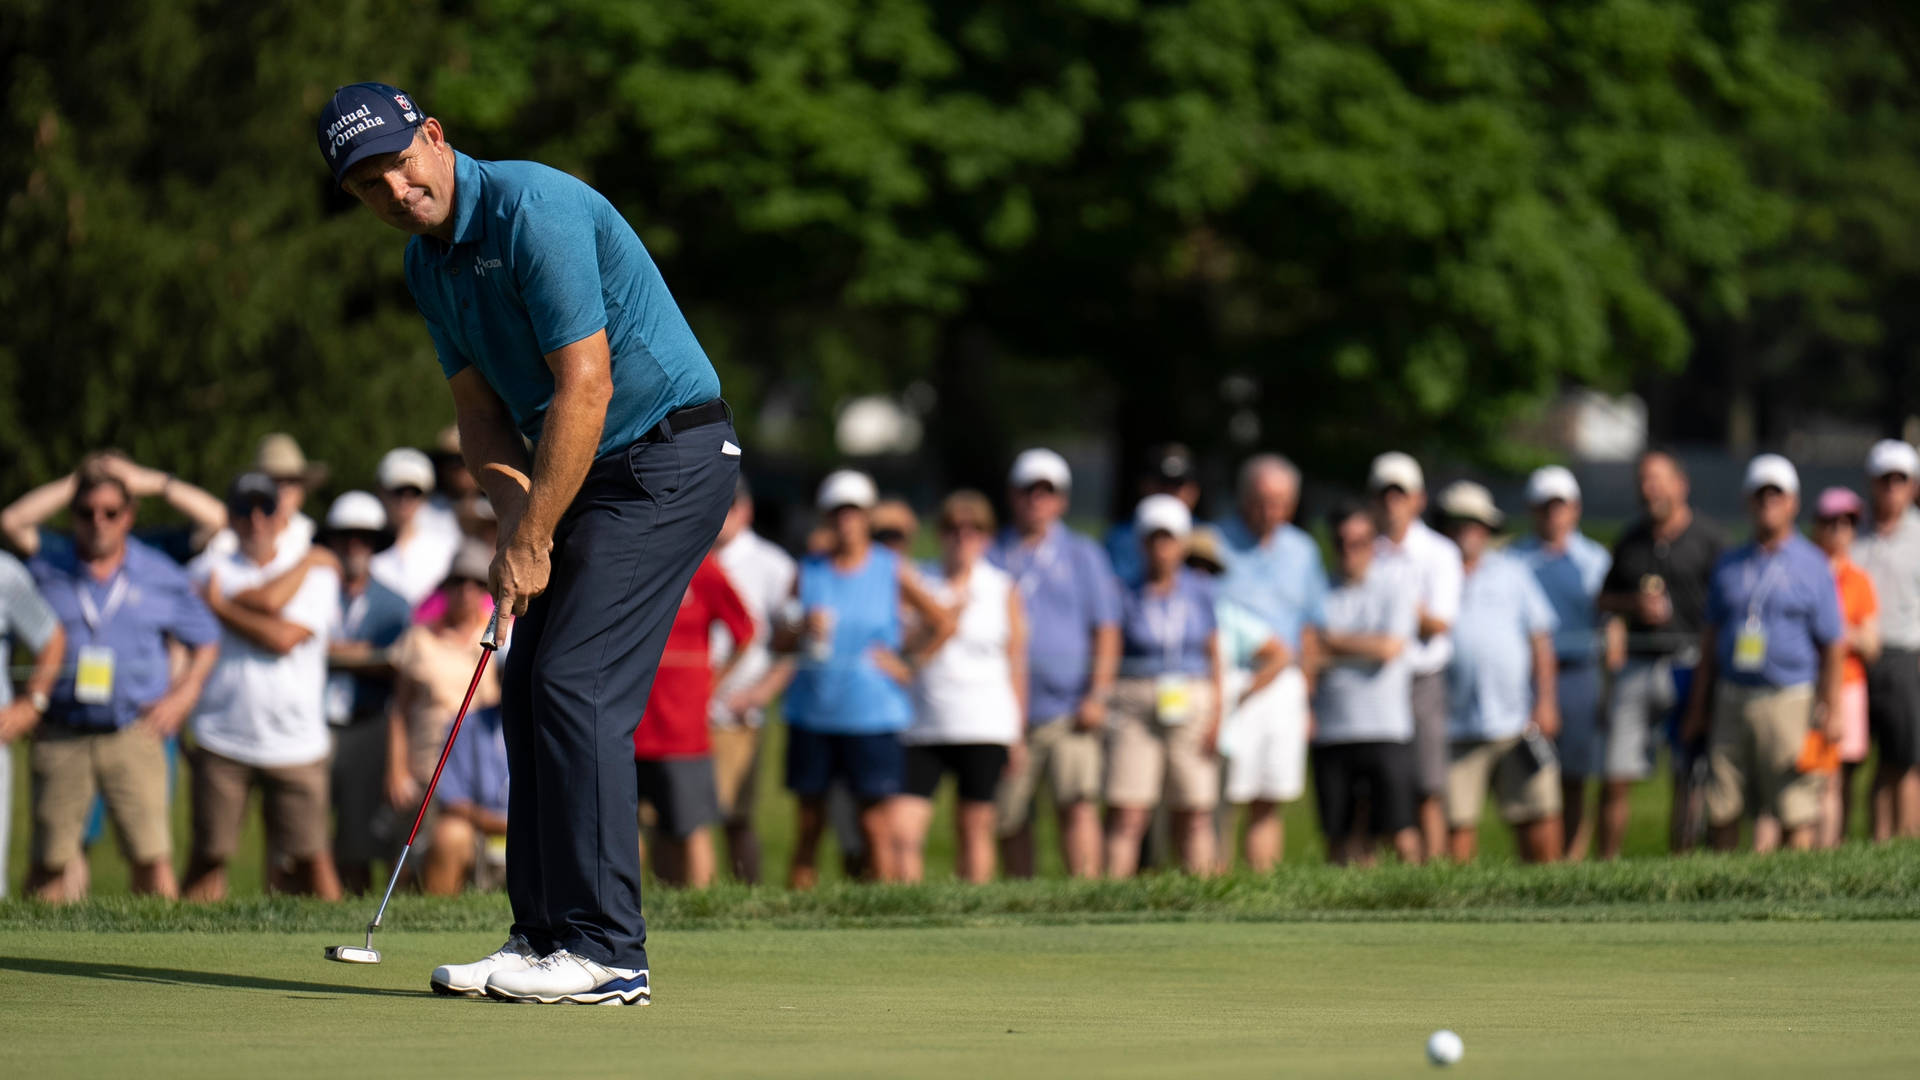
672 750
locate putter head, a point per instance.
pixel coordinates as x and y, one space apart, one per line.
353 954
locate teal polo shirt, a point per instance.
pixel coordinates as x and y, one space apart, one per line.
538 261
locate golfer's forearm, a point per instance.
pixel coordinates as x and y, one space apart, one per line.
20 521
491 444
569 436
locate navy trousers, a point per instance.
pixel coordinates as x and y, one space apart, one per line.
576 679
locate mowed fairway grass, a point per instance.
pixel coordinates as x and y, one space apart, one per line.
1218 999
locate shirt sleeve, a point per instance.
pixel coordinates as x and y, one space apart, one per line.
452 360
1536 609
1827 626
1716 597
191 622
23 610
556 262
1105 586
1445 578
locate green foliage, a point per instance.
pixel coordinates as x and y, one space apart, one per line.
1410 217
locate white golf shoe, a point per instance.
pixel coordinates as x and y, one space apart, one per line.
563 978
470 980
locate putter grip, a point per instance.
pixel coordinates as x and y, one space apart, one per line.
491 639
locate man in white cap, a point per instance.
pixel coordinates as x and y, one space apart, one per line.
1073 610
368 618
1889 551
1431 563
425 539
1770 666
1571 568
1502 703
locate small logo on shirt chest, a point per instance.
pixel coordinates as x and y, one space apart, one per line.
482 265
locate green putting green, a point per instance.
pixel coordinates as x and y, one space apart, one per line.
1531 1000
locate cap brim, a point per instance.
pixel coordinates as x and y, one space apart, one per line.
391 143
382 538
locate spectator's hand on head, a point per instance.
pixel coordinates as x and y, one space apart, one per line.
141 482
1092 714
165 716
17 718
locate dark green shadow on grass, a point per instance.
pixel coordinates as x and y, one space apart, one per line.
111 972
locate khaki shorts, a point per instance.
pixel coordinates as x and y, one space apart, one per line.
1524 793
1069 759
293 799
736 771
128 766
1149 762
1757 736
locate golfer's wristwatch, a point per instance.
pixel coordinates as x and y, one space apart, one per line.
39 700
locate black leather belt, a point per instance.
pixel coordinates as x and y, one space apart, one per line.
688 418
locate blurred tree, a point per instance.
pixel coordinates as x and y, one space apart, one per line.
1401 221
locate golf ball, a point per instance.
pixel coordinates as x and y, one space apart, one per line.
1444 1047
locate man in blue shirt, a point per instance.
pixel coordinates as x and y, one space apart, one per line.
118 699
1073 613
1273 570
1500 693
1770 665
470 833
1571 569
555 328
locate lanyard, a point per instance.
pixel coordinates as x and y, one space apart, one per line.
1758 594
1166 624
1036 569
96 617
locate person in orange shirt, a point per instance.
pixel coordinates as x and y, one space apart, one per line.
1836 519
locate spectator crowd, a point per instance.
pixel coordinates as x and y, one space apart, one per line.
1170 687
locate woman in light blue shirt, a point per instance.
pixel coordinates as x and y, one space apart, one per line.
848 702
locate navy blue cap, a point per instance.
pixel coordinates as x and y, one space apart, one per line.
362 120
250 487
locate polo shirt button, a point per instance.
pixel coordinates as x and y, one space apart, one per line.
464 305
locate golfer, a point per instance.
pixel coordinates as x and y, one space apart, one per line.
555 330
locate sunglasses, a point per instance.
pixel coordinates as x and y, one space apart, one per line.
1834 521
1891 478
251 507
1039 487
98 513
1768 492
1356 545
289 481
959 527
889 536
408 492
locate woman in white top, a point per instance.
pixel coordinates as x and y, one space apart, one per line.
969 693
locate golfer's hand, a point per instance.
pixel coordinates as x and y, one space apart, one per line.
1092 714
164 717
520 572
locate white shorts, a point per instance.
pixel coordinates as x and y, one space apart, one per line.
1265 739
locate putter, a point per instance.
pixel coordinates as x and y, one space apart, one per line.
367 954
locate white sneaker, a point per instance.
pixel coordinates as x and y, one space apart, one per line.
470 980
564 978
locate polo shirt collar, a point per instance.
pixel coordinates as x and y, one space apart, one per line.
468 223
